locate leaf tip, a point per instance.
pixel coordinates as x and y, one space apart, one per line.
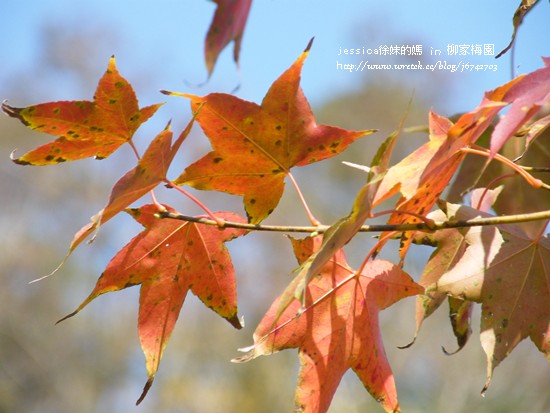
145 390
357 166
250 354
17 160
236 322
308 47
13 112
407 345
67 316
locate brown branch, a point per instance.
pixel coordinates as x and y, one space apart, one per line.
437 225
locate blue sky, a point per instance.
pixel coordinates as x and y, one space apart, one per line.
162 41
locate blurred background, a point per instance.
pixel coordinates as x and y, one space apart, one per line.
58 50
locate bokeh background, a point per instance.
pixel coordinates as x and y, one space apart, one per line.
57 50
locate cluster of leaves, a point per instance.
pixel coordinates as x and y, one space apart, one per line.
329 311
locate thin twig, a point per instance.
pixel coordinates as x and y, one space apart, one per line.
421 226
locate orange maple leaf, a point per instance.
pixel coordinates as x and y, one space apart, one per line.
227 25
85 128
150 171
423 175
168 259
255 146
338 331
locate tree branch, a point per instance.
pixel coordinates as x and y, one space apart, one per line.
437 225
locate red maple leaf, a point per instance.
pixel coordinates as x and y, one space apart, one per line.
255 146
227 25
338 330
85 128
527 95
168 259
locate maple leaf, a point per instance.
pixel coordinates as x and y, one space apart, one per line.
507 272
168 259
228 24
424 174
421 176
339 331
85 128
527 96
145 176
255 146
451 247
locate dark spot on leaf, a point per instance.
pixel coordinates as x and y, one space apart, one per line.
218 160
60 159
112 101
504 323
209 298
278 142
252 201
322 147
278 127
56 111
49 158
119 84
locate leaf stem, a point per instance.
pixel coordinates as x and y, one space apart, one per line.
311 217
531 180
136 152
214 220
